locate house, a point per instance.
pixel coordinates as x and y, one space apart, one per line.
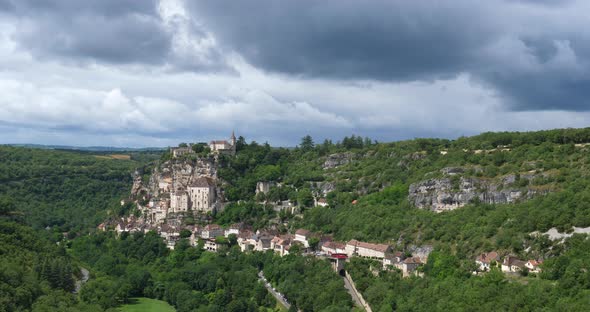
302 236
285 205
244 240
262 242
202 194
211 231
179 200
409 265
512 264
281 244
334 248
369 250
234 229
534 265
322 202
485 260
223 146
211 245
392 259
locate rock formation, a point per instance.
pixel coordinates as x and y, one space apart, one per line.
448 192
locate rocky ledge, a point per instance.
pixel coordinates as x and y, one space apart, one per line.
450 193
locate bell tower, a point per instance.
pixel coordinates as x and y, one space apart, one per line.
233 138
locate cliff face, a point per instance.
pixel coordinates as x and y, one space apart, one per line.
337 160
449 193
174 174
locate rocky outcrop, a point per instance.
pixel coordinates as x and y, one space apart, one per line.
449 193
323 188
175 174
137 183
337 160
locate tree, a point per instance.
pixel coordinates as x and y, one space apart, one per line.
232 239
307 143
6 205
313 243
184 233
305 198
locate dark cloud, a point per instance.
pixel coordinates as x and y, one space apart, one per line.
416 40
111 31
105 31
125 39
387 40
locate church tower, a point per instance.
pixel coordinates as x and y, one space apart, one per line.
233 139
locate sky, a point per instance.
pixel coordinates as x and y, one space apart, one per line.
130 73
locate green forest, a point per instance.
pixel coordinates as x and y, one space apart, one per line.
51 202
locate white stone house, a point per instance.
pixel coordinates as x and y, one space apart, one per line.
512 264
334 248
211 231
261 242
281 244
302 236
179 201
211 245
409 265
392 259
533 266
233 229
244 242
202 194
485 260
369 250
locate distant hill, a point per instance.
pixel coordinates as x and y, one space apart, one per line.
89 148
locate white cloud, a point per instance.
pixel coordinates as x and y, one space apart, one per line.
51 102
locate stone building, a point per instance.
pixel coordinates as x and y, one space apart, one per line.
223 146
303 236
485 260
369 250
179 201
180 151
202 194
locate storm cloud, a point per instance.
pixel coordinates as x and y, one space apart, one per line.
532 53
160 72
110 31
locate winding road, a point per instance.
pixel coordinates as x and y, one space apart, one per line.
273 292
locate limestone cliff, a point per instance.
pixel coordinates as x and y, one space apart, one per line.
337 160
174 174
453 191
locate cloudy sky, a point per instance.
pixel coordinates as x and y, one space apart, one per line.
155 73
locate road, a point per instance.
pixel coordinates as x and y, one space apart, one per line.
273 292
355 298
85 276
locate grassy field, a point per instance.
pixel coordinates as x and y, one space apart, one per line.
146 305
114 156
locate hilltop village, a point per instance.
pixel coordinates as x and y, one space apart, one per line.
188 187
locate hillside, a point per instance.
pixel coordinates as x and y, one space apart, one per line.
455 198
71 190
